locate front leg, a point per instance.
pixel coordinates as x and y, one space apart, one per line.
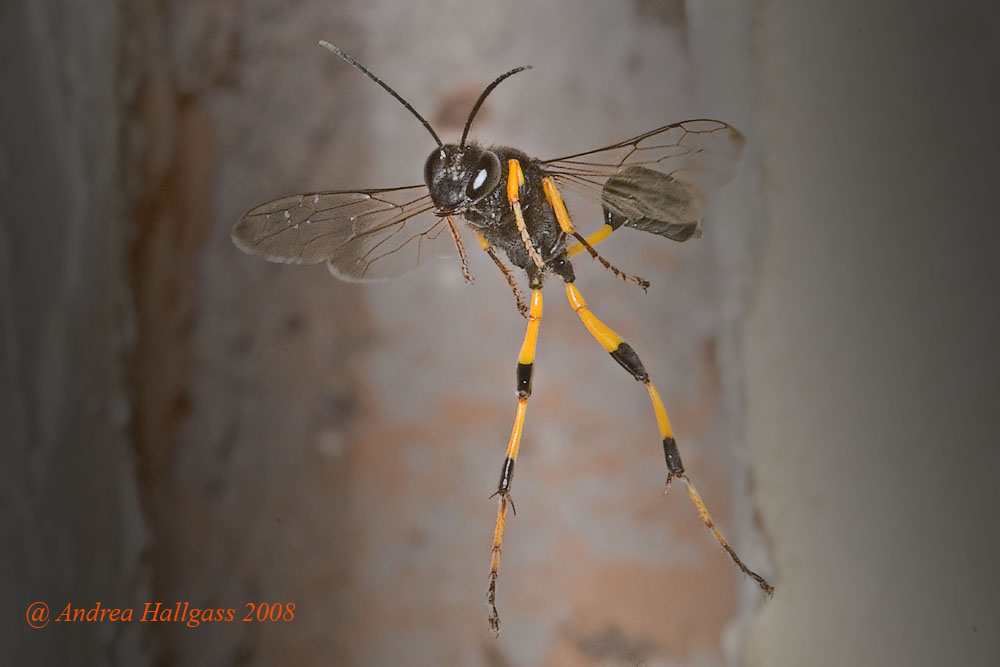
485 245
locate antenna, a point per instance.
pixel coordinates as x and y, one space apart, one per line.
482 98
392 92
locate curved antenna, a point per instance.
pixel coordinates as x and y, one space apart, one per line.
482 98
379 81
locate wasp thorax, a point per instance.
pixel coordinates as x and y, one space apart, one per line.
459 176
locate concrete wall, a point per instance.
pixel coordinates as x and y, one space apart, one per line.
71 521
871 343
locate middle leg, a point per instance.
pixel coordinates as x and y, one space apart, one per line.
525 368
559 208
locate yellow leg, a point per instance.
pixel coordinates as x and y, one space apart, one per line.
593 239
559 208
525 367
623 353
515 181
555 200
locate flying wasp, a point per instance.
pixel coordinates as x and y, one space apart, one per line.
655 182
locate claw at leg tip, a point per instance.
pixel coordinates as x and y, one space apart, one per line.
670 482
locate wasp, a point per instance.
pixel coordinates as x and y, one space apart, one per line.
656 182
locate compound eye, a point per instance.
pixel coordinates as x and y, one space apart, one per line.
485 176
433 167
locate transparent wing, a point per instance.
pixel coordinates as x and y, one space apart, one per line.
657 181
362 235
699 151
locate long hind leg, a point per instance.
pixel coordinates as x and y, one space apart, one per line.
623 353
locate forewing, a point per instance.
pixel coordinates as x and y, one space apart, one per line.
656 181
362 235
701 151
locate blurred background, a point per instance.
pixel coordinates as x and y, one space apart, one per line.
185 423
